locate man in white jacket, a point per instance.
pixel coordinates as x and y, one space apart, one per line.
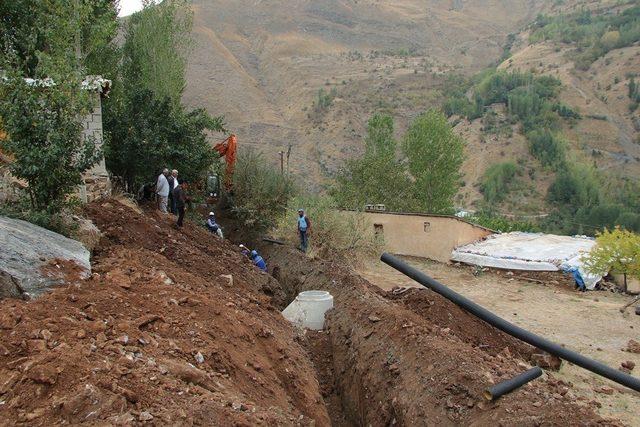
162 190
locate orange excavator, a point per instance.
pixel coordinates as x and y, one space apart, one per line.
227 149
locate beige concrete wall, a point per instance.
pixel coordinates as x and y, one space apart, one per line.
427 236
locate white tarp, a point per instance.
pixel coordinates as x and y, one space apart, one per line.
529 251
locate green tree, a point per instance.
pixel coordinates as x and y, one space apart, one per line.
157 41
147 134
83 28
435 154
616 251
377 176
575 186
45 137
146 126
50 42
546 147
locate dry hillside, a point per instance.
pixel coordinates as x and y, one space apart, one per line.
262 63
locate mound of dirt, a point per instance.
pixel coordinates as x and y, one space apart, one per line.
156 335
161 334
416 356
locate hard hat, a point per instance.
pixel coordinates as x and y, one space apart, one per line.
300 210
254 253
242 246
212 214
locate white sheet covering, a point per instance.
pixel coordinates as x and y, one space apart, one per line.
529 251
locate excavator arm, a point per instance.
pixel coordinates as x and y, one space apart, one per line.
228 150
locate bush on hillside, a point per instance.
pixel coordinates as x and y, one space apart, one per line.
498 180
546 147
585 202
565 111
575 186
325 99
595 33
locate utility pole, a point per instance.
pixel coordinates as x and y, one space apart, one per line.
288 155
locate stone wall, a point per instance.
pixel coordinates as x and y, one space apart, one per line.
96 180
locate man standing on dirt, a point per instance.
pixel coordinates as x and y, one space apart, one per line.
162 190
181 198
173 182
304 227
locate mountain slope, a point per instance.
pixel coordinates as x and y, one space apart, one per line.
262 63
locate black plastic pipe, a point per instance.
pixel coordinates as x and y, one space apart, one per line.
496 391
511 329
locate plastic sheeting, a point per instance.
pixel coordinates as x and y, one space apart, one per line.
531 252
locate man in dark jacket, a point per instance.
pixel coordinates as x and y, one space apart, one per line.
181 198
172 185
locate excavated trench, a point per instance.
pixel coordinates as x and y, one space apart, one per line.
412 357
384 358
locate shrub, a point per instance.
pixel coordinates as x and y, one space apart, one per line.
575 186
51 219
546 147
334 233
260 192
45 137
325 99
616 251
565 111
502 224
462 107
497 181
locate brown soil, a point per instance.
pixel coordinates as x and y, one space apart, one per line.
418 359
158 335
155 332
318 346
587 322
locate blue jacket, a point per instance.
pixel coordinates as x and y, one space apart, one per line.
260 263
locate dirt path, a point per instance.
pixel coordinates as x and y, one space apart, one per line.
586 322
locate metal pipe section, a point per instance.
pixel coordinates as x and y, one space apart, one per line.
511 329
496 391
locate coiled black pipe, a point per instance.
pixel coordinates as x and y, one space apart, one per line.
511 329
496 391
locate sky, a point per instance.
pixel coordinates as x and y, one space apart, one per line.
127 7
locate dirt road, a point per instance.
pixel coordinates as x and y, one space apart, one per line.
586 322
